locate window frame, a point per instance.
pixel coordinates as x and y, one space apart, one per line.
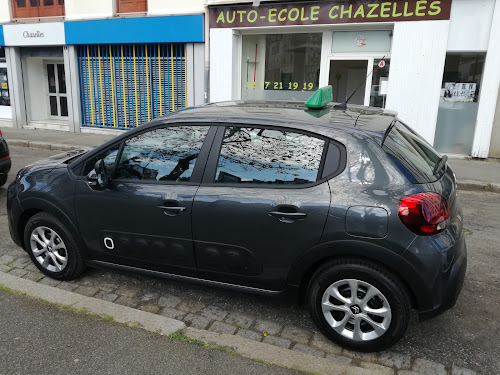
29 11
120 12
57 94
214 156
198 168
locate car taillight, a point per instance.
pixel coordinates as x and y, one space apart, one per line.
424 214
0 132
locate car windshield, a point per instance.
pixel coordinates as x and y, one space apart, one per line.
412 154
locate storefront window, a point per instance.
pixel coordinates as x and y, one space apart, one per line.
5 96
380 82
280 66
459 103
361 41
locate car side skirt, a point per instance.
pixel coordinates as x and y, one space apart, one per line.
287 293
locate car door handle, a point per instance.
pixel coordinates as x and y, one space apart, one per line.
288 217
172 210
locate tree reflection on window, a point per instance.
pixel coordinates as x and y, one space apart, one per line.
265 156
167 154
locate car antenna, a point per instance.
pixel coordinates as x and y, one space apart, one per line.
343 106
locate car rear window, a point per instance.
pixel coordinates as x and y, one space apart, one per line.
412 154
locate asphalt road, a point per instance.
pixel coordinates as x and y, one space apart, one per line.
39 338
468 335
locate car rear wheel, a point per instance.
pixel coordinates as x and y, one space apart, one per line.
52 248
359 305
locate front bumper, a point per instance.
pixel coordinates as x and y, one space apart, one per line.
14 212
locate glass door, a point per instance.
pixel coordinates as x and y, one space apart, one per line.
366 79
347 77
58 97
459 103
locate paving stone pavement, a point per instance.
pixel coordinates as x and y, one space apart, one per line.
127 291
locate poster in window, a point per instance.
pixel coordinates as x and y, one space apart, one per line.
459 92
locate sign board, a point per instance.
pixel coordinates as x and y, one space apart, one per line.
459 92
328 13
34 34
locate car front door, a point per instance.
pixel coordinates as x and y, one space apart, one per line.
262 202
143 217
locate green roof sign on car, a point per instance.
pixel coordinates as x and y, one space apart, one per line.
320 98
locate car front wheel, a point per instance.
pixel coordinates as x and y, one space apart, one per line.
52 248
359 305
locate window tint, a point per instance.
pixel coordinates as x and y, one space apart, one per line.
264 156
167 154
414 156
109 157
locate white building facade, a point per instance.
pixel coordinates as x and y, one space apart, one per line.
115 64
99 64
437 63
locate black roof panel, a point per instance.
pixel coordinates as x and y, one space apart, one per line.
366 119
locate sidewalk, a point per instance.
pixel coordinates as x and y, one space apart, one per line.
478 175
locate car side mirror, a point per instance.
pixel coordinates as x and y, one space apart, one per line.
99 177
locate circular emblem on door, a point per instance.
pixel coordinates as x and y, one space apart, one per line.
109 243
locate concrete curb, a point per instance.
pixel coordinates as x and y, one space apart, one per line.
469 185
279 356
121 314
159 324
43 145
464 185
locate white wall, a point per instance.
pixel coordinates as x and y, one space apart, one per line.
470 25
489 90
4 11
36 89
224 64
417 73
78 9
164 7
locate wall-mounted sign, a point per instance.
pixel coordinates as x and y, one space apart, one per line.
36 34
459 92
328 12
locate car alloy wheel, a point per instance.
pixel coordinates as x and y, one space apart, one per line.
359 305
48 249
356 310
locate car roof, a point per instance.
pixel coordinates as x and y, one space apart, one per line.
370 120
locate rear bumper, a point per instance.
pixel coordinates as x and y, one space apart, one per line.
5 165
451 289
451 285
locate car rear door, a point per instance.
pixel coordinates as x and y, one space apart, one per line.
263 201
143 217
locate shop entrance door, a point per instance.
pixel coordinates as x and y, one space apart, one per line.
57 94
347 77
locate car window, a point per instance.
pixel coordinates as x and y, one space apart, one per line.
266 156
109 157
411 153
166 154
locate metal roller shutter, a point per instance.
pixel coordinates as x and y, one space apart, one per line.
124 86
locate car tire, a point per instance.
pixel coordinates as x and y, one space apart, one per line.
375 319
3 178
52 248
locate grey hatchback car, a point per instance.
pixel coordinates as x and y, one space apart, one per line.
347 209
